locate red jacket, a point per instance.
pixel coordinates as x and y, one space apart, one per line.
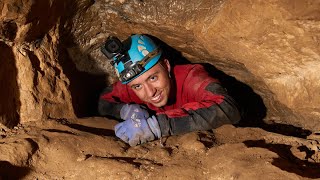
197 102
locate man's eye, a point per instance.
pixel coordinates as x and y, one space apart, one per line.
137 87
153 78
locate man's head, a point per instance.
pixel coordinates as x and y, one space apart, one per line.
138 63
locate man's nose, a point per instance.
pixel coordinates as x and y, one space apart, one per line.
150 90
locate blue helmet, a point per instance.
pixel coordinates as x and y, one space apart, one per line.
140 54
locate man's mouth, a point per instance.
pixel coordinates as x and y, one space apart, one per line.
157 98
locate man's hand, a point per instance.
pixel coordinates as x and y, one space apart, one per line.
136 130
133 111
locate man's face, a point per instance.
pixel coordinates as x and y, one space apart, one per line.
153 86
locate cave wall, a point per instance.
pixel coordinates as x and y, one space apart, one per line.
37 84
278 42
270 47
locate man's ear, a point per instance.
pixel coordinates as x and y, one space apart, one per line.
167 63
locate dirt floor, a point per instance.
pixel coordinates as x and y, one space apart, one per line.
88 149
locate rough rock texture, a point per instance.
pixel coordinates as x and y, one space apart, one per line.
87 149
266 53
36 77
269 46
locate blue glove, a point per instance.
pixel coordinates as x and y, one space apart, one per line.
129 110
137 131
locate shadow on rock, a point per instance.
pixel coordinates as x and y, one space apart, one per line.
286 160
9 95
286 129
9 171
252 107
137 162
85 88
93 130
59 131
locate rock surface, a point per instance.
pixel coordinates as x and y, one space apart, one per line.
87 149
266 53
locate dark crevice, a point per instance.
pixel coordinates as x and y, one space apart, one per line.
59 131
93 130
44 16
33 144
286 160
9 93
35 147
9 171
207 138
8 30
286 129
137 162
85 88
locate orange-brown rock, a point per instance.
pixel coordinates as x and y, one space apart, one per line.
267 53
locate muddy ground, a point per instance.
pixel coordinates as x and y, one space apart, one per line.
87 149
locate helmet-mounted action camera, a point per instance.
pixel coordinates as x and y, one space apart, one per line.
113 49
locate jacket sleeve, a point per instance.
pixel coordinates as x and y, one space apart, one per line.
112 99
109 108
212 108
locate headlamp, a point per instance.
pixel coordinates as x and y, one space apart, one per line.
131 72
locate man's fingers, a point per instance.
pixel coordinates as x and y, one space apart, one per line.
120 132
117 126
